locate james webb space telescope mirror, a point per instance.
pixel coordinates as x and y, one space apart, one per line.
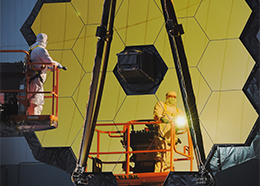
140 69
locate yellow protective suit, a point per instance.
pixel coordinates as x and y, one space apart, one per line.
166 112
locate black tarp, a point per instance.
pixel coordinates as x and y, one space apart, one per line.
60 157
100 179
185 178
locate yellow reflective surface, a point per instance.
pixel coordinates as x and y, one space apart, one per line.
225 117
226 64
60 22
222 19
219 66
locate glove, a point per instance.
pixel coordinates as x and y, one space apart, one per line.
164 120
178 141
61 67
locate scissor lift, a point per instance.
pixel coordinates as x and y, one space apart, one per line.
141 152
23 121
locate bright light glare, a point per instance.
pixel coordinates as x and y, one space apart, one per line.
180 121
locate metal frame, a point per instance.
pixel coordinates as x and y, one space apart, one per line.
24 99
148 177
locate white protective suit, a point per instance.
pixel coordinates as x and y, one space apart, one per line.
39 54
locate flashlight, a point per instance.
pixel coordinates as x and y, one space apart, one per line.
180 121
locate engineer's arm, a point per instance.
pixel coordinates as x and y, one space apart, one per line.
46 58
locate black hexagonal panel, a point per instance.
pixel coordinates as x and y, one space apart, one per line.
252 87
140 69
26 29
251 42
249 34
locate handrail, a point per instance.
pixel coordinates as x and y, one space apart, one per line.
187 153
55 83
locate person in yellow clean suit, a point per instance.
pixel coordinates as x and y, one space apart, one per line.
167 113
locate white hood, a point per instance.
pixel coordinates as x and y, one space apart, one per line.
41 40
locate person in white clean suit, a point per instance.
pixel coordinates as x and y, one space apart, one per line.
38 72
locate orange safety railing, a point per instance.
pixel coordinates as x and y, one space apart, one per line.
53 94
142 177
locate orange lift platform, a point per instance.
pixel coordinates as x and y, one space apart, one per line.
19 89
140 149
